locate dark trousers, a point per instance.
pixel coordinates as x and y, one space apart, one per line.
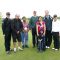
34 36
7 42
41 43
59 41
48 38
56 39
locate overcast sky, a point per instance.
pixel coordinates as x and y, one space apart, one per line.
26 7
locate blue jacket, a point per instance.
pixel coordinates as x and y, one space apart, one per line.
48 22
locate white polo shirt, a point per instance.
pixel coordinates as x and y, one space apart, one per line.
56 26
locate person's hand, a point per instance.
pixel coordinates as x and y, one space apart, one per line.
23 30
28 29
43 34
17 32
37 34
4 35
59 34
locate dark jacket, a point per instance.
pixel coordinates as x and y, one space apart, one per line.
6 26
16 25
48 22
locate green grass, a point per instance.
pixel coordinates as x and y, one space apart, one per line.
27 54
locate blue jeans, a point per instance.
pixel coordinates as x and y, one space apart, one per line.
24 37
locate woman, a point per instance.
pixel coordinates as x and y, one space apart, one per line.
41 30
55 32
24 34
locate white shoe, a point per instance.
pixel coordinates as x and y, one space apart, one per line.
8 52
14 49
46 47
20 49
56 49
53 48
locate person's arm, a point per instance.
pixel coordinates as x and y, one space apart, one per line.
3 26
44 29
37 29
59 28
30 23
59 33
21 26
44 19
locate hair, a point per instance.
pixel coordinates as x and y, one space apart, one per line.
55 16
7 13
17 15
23 17
39 17
34 11
46 11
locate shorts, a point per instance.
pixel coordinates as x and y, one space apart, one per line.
16 37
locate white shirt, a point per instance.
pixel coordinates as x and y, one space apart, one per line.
56 26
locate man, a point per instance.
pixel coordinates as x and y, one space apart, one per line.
6 27
48 21
17 27
55 32
32 24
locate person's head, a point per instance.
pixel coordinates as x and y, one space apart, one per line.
55 17
8 14
24 19
34 13
40 18
17 16
46 12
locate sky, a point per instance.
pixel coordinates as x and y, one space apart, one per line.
26 7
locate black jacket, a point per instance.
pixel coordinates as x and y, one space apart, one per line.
16 25
6 26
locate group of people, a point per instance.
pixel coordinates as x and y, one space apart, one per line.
43 29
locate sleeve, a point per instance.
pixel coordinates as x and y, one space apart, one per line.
37 23
59 26
51 18
43 22
3 26
30 23
27 25
44 19
21 26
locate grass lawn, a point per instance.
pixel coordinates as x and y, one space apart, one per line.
27 54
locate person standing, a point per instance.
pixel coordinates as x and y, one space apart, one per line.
17 27
24 33
41 30
6 27
32 25
48 22
55 32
